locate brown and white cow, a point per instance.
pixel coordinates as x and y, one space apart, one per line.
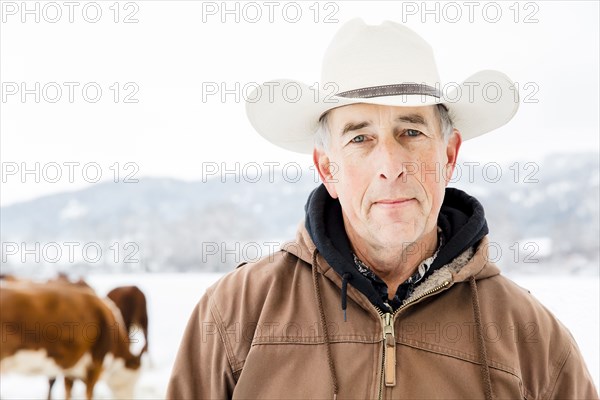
55 329
132 303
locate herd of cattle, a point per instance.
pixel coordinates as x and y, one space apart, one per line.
61 328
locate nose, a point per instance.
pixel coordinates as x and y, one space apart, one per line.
391 159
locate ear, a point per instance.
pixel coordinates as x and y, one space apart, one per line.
324 165
452 148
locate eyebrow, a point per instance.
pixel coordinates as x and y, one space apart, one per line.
351 126
415 119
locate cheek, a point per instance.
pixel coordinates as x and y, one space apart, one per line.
432 176
352 183
349 173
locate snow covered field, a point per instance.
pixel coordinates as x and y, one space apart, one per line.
171 298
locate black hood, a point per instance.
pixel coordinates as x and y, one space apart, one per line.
461 219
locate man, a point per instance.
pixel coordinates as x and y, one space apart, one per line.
387 291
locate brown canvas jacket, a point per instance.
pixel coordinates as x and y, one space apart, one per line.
274 329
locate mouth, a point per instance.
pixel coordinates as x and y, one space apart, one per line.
394 202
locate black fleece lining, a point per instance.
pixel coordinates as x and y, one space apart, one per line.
325 226
463 224
461 219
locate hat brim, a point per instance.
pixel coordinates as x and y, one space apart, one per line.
286 112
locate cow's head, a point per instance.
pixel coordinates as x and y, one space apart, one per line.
122 375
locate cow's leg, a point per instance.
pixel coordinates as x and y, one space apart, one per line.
144 324
50 384
93 373
68 387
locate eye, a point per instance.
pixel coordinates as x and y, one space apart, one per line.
358 139
412 132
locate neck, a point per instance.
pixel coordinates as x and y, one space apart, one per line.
394 265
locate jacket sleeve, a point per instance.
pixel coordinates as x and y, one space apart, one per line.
201 369
574 380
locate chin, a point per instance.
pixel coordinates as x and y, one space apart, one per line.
393 235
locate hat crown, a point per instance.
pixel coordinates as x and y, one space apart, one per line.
362 55
387 65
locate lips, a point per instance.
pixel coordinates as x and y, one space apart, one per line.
394 202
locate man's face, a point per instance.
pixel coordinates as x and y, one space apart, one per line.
388 166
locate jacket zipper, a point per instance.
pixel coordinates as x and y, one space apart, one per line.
388 359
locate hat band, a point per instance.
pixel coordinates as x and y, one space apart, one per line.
392 90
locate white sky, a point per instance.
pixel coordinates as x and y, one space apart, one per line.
175 47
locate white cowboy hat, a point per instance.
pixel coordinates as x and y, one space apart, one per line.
386 64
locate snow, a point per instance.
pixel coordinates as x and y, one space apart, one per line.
172 297
73 210
535 247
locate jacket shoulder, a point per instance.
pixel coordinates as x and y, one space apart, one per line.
532 340
252 283
503 294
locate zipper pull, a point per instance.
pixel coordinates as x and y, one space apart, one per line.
389 345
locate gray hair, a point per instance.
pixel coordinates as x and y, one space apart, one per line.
322 135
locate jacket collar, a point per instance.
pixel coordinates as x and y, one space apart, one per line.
464 254
461 219
472 262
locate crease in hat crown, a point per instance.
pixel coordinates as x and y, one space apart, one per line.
386 64
361 55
